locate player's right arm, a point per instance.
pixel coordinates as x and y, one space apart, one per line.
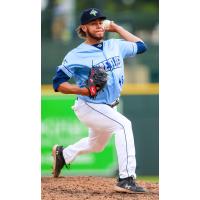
126 35
126 46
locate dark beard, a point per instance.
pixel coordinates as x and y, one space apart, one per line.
94 37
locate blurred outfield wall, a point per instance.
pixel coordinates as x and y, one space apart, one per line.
139 103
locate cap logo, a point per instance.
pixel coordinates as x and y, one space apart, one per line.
93 12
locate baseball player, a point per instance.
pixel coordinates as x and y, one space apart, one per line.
96 104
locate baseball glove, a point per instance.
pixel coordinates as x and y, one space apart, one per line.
96 81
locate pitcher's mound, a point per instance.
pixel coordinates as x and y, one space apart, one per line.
91 188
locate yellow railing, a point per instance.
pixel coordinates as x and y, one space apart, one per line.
128 89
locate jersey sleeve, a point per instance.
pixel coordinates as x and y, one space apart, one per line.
130 49
67 68
63 73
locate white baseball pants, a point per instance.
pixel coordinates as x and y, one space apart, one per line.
103 121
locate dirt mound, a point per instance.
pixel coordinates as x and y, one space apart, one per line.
91 188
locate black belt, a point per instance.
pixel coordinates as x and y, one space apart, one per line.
114 103
111 105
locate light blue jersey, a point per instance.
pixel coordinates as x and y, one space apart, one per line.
78 62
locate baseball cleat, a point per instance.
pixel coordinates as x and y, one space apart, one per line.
128 185
58 162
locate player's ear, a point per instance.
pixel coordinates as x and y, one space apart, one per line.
84 28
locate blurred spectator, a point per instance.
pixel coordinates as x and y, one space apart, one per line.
58 24
62 17
155 35
44 4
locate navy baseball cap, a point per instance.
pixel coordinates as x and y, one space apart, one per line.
91 14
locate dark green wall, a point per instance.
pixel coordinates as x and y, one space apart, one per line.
143 111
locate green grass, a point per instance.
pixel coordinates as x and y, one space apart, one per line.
152 179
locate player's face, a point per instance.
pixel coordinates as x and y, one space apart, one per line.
95 29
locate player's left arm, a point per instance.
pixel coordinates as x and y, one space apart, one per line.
126 35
